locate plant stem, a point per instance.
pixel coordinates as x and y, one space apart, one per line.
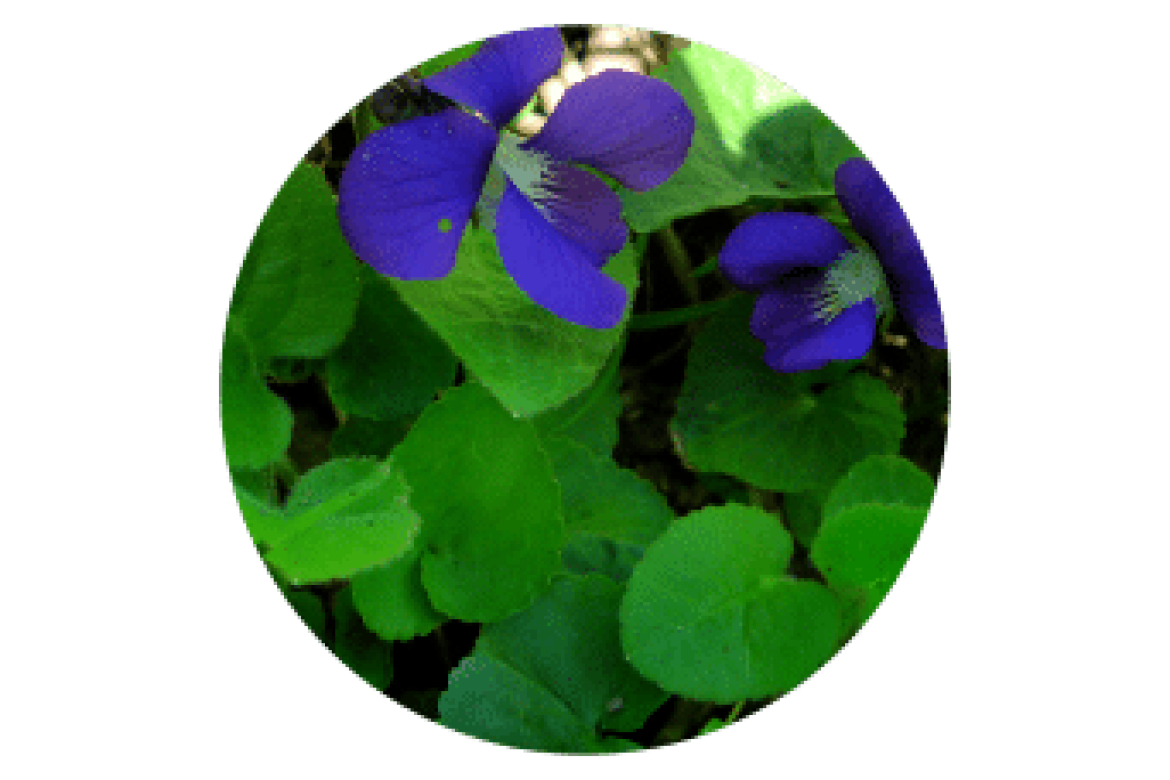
706 268
736 710
680 264
665 319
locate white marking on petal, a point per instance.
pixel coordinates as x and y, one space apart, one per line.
490 196
528 169
856 276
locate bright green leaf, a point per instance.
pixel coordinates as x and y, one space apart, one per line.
444 60
711 614
257 423
529 358
754 137
490 505
391 600
889 480
861 549
343 517
872 520
298 288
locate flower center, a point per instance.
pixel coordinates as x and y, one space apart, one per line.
855 276
528 169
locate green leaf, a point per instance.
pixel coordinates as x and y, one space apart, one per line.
255 496
714 726
591 554
736 416
710 613
367 655
861 550
257 423
343 517
391 364
491 506
488 699
591 417
802 148
889 480
444 60
872 520
358 437
298 289
391 600
547 678
802 513
754 137
602 499
568 643
529 358
309 609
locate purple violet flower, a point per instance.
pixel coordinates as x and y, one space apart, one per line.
820 297
410 188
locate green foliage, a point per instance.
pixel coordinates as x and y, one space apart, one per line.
309 609
549 677
872 519
602 499
342 518
444 60
358 437
736 416
710 612
367 655
463 480
298 290
390 364
257 424
364 120
529 358
754 137
392 602
588 418
493 527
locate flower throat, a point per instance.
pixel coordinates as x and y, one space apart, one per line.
855 276
528 169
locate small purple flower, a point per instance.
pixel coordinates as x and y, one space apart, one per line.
820 297
410 188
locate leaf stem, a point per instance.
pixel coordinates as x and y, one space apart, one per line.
680 263
666 319
735 711
798 195
706 268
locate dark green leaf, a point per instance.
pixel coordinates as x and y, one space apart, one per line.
391 600
367 655
257 424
